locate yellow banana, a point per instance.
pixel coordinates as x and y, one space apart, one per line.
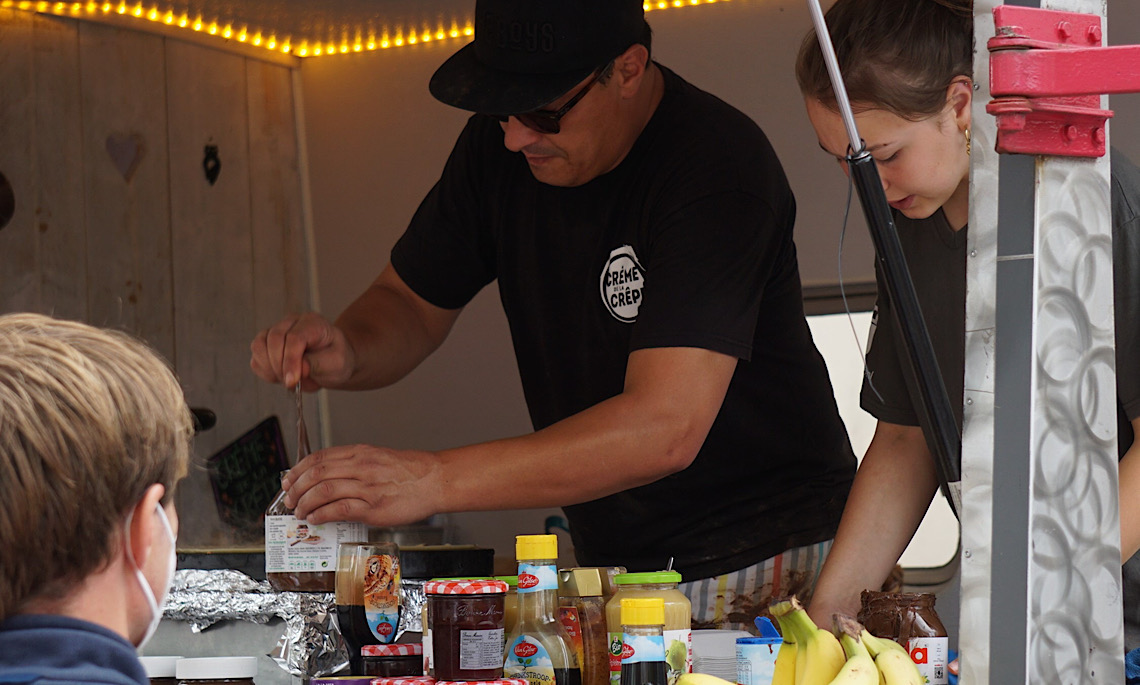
898 669
893 661
819 655
701 679
785 669
859 669
877 644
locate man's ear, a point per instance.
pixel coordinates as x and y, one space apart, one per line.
959 97
144 524
630 67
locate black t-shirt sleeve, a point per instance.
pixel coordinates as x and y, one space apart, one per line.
445 256
1126 281
884 394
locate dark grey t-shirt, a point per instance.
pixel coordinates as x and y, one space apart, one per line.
936 258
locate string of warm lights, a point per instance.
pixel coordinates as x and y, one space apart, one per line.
268 39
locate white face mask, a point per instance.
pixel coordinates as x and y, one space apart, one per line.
155 605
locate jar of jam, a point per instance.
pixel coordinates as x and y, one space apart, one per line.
466 628
909 619
238 670
423 680
394 660
500 681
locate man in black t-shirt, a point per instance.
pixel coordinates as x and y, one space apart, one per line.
640 231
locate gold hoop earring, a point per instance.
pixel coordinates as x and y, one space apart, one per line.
967 134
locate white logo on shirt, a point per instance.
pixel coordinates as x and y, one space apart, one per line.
622 281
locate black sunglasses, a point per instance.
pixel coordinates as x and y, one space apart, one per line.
547 121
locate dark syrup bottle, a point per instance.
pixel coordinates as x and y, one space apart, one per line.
643 642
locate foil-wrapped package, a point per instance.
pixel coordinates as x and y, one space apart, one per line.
311 644
411 607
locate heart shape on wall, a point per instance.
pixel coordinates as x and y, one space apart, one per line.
126 152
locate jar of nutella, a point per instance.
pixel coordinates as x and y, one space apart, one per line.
392 661
300 556
910 620
160 669
237 670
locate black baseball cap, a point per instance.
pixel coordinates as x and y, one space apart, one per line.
528 53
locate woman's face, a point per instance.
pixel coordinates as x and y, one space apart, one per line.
923 164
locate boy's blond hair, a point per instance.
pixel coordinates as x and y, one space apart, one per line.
89 419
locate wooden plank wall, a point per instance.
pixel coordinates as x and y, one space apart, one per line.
195 269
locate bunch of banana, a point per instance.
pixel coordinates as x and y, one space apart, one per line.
818 654
859 669
894 663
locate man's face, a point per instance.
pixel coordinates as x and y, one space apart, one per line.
586 145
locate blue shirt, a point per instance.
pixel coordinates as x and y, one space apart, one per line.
46 648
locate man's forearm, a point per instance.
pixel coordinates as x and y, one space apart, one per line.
390 330
629 440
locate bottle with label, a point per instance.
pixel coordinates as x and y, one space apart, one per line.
643 642
367 596
910 619
678 619
538 649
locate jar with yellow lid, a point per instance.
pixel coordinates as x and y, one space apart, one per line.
538 648
678 619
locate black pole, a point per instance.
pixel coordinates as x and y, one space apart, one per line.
944 438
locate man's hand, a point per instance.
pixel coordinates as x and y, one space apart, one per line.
307 348
373 485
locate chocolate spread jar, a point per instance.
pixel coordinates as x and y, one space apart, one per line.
910 620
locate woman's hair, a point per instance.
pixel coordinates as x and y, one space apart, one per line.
89 419
895 55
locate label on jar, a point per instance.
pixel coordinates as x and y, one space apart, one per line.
533 578
636 649
294 545
480 650
381 585
930 654
570 620
528 659
678 654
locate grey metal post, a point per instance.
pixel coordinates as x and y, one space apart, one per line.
1041 595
